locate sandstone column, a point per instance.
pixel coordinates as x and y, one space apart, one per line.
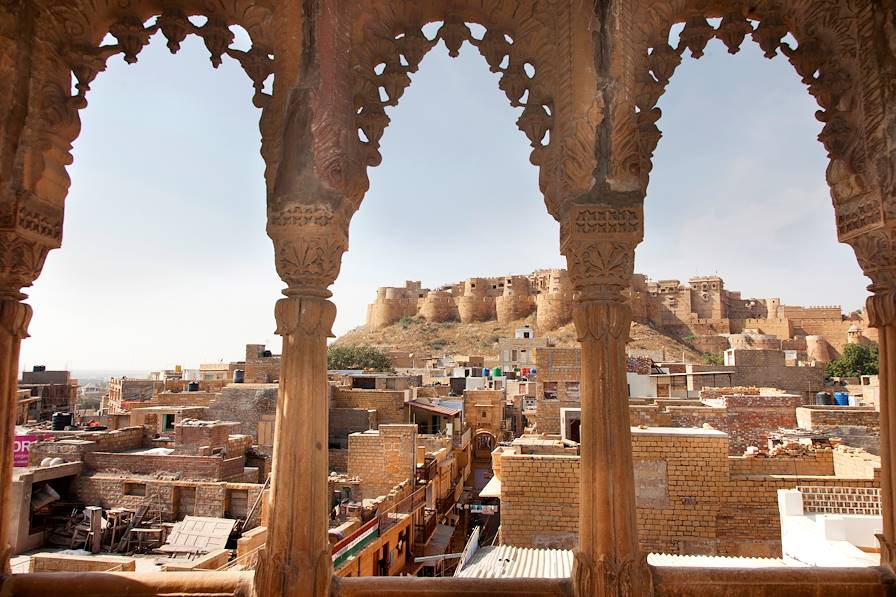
309 242
599 244
881 308
14 318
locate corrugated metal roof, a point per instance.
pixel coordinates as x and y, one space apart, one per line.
506 561
667 559
434 408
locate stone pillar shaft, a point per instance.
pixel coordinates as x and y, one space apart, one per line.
599 244
297 560
881 309
14 319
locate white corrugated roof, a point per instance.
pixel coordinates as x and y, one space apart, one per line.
667 559
505 561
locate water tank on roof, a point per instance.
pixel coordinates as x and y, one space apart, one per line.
61 420
193 386
239 376
267 353
486 372
824 399
841 398
39 368
496 372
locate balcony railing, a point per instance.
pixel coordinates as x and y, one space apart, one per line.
423 532
445 504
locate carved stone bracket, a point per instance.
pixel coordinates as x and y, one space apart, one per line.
15 316
599 244
308 317
309 241
876 253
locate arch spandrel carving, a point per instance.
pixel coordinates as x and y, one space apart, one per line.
66 54
542 49
833 56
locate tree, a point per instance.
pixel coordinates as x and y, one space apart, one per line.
714 358
358 356
856 360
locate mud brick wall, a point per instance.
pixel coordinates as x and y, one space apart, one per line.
389 404
539 500
746 418
813 417
382 459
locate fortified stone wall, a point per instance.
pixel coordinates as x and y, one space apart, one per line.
702 307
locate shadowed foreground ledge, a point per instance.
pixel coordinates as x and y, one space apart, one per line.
668 582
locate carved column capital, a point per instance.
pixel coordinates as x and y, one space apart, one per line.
21 260
309 241
599 244
881 307
15 317
310 316
876 253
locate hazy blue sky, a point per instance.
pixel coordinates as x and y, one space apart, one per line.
166 261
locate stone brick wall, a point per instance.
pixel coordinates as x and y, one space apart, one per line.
173 498
71 446
539 500
382 459
246 404
188 467
484 410
857 464
813 417
547 414
345 421
692 498
388 404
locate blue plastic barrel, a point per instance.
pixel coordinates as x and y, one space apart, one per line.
841 398
486 372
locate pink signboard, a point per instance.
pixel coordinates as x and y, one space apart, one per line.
21 446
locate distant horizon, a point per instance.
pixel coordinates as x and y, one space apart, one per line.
165 257
96 371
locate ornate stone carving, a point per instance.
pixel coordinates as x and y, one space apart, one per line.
827 58
21 260
15 316
599 244
309 241
537 68
876 254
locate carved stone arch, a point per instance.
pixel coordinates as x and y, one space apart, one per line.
830 56
67 54
550 76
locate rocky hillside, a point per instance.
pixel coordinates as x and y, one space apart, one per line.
421 337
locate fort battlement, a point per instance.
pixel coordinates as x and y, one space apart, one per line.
701 307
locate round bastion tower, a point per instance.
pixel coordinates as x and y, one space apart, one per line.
554 303
392 304
817 349
516 302
475 304
438 306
